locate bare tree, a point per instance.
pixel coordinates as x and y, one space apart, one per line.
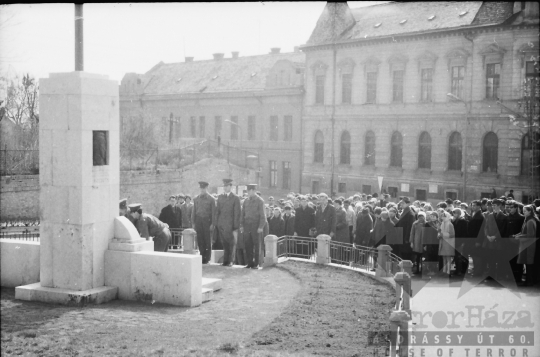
138 136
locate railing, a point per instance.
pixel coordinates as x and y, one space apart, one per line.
297 247
20 233
176 238
19 162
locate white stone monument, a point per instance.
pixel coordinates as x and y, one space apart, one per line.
79 179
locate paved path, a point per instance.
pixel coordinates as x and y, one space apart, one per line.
488 308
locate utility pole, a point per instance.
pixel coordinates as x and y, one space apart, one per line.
334 35
79 45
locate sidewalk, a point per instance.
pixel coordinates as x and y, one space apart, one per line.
482 322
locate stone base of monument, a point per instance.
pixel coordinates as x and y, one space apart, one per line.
209 285
217 257
131 245
36 292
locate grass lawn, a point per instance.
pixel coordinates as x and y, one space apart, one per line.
294 309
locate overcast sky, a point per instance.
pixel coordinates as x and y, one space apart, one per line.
122 38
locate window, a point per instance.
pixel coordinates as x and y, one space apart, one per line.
421 195
171 127
397 86
454 152
458 76
369 155
392 191
315 187
491 146
396 152
526 153
286 175
493 72
371 87
202 125
287 128
274 128
234 128
345 153
319 147
319 89
217 124
531 79
193 127
251 128
451 195
346 88
424 151
366 189
342 187
427 85
273 173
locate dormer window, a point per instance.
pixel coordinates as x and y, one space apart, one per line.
431 18
464 13
402 22
377 25
179 79
253 74
214 77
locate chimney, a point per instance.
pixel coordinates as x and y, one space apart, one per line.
218 56
235 54
189 59
275 50
296 49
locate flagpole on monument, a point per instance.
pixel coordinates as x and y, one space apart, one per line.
79 46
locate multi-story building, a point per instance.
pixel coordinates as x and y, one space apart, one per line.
252 103
419 93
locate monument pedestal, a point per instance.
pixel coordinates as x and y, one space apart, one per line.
131 245
36 292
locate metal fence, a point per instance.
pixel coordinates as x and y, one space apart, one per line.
28 234
155 158
19 162
297 247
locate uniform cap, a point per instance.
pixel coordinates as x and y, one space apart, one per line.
323 195
251 186
203 184
227 182
135 207
123 203
406 199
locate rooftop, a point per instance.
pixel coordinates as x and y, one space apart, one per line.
247 73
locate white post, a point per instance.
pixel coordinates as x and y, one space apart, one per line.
271 256
323 249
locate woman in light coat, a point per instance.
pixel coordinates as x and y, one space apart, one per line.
447 238
527 243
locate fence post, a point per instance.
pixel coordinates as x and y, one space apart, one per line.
406 266
323 249
189 237
399 319
271 255
383 257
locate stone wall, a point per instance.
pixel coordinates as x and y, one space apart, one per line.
20 194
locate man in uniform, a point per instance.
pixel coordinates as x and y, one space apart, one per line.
202 217
228 221
149 226
124 210
252 223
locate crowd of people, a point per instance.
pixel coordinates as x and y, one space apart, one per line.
492 233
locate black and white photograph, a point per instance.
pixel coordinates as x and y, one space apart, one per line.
270 179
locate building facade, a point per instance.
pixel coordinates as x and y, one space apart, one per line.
419 94
253 104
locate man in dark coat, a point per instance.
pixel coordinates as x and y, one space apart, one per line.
304 218
514 223
364 226
325 217
289 219
276 223
460 229
202 216
227 222
252 222
474 236
169 215
406 220
494 231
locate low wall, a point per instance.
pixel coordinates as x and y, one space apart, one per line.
19 195
168 278
19 262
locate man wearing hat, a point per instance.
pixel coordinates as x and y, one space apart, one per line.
187 210
149 226
228 221
203 216
124 210
325 217
494 231
406 220
252 222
